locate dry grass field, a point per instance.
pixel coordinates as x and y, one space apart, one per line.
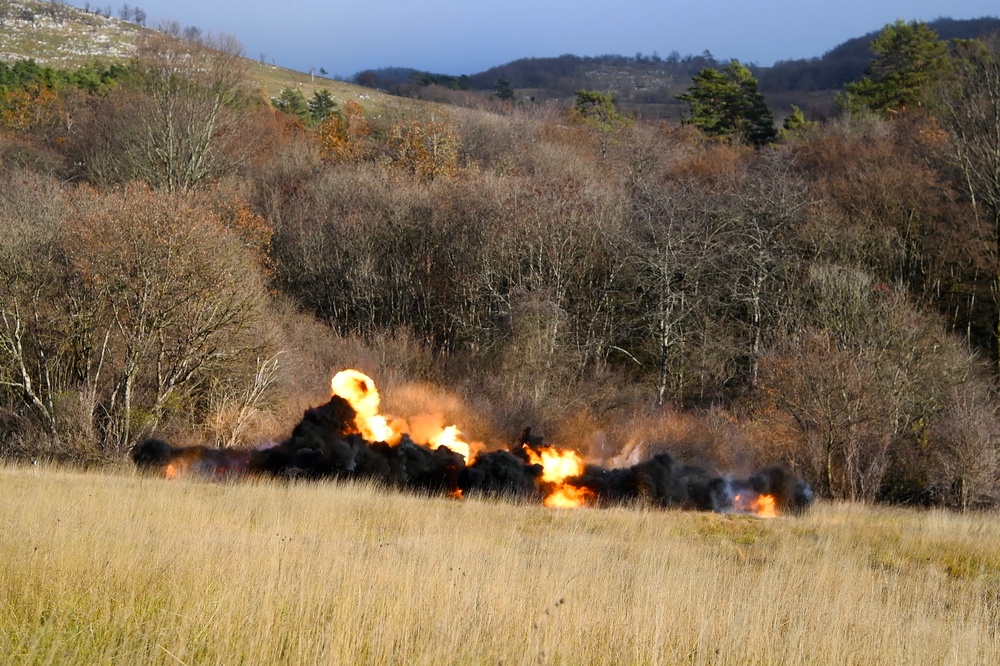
115 568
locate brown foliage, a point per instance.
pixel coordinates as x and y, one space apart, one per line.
344 135
427 149
580 280
124 311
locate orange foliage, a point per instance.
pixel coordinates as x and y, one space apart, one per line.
713 162
344 136
38 107
255 231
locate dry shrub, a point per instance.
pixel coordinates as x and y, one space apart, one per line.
498 144
964 449
712 162
18 152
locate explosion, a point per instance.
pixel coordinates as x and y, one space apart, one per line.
348 438
359 391
558 465
761 505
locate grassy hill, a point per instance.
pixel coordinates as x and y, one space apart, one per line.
115 568
65 37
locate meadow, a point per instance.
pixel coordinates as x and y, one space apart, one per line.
113 567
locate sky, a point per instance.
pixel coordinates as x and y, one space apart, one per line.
463 37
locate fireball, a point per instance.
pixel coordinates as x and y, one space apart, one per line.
764 506
358 389
557 466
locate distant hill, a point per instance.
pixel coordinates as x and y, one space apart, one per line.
66 37
806 81
644 84
648 85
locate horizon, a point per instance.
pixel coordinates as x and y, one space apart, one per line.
445 37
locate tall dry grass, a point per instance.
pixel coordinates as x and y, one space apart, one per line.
115 568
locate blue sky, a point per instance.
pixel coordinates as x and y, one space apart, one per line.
462 37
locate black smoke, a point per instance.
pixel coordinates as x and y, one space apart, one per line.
326 444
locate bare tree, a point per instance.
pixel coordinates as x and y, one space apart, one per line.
969 109
676 239
176 305
181 126
764 204
115 308
966 448
861 373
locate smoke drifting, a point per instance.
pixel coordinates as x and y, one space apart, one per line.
330 442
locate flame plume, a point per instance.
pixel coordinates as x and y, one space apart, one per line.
558 465
764 506
358 389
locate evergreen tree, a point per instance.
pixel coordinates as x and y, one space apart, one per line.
909 60
292 102
795 123
321 106
726 103
503 91
598 109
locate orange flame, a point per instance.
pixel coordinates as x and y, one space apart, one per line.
763 506
358 389
449 438
557 466
568 497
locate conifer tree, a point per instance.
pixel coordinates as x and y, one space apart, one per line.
321 105
909 60
795 123
292 102
726 103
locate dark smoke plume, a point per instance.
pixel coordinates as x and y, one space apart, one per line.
326 444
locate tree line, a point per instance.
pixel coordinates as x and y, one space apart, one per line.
180 256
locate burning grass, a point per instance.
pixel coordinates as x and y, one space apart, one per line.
122 568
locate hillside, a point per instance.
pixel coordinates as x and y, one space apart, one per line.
810 83
65 37
61 36
182 263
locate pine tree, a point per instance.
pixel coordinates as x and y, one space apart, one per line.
795 123
321 105
909 59
503 91
599 109
292 102
726 103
